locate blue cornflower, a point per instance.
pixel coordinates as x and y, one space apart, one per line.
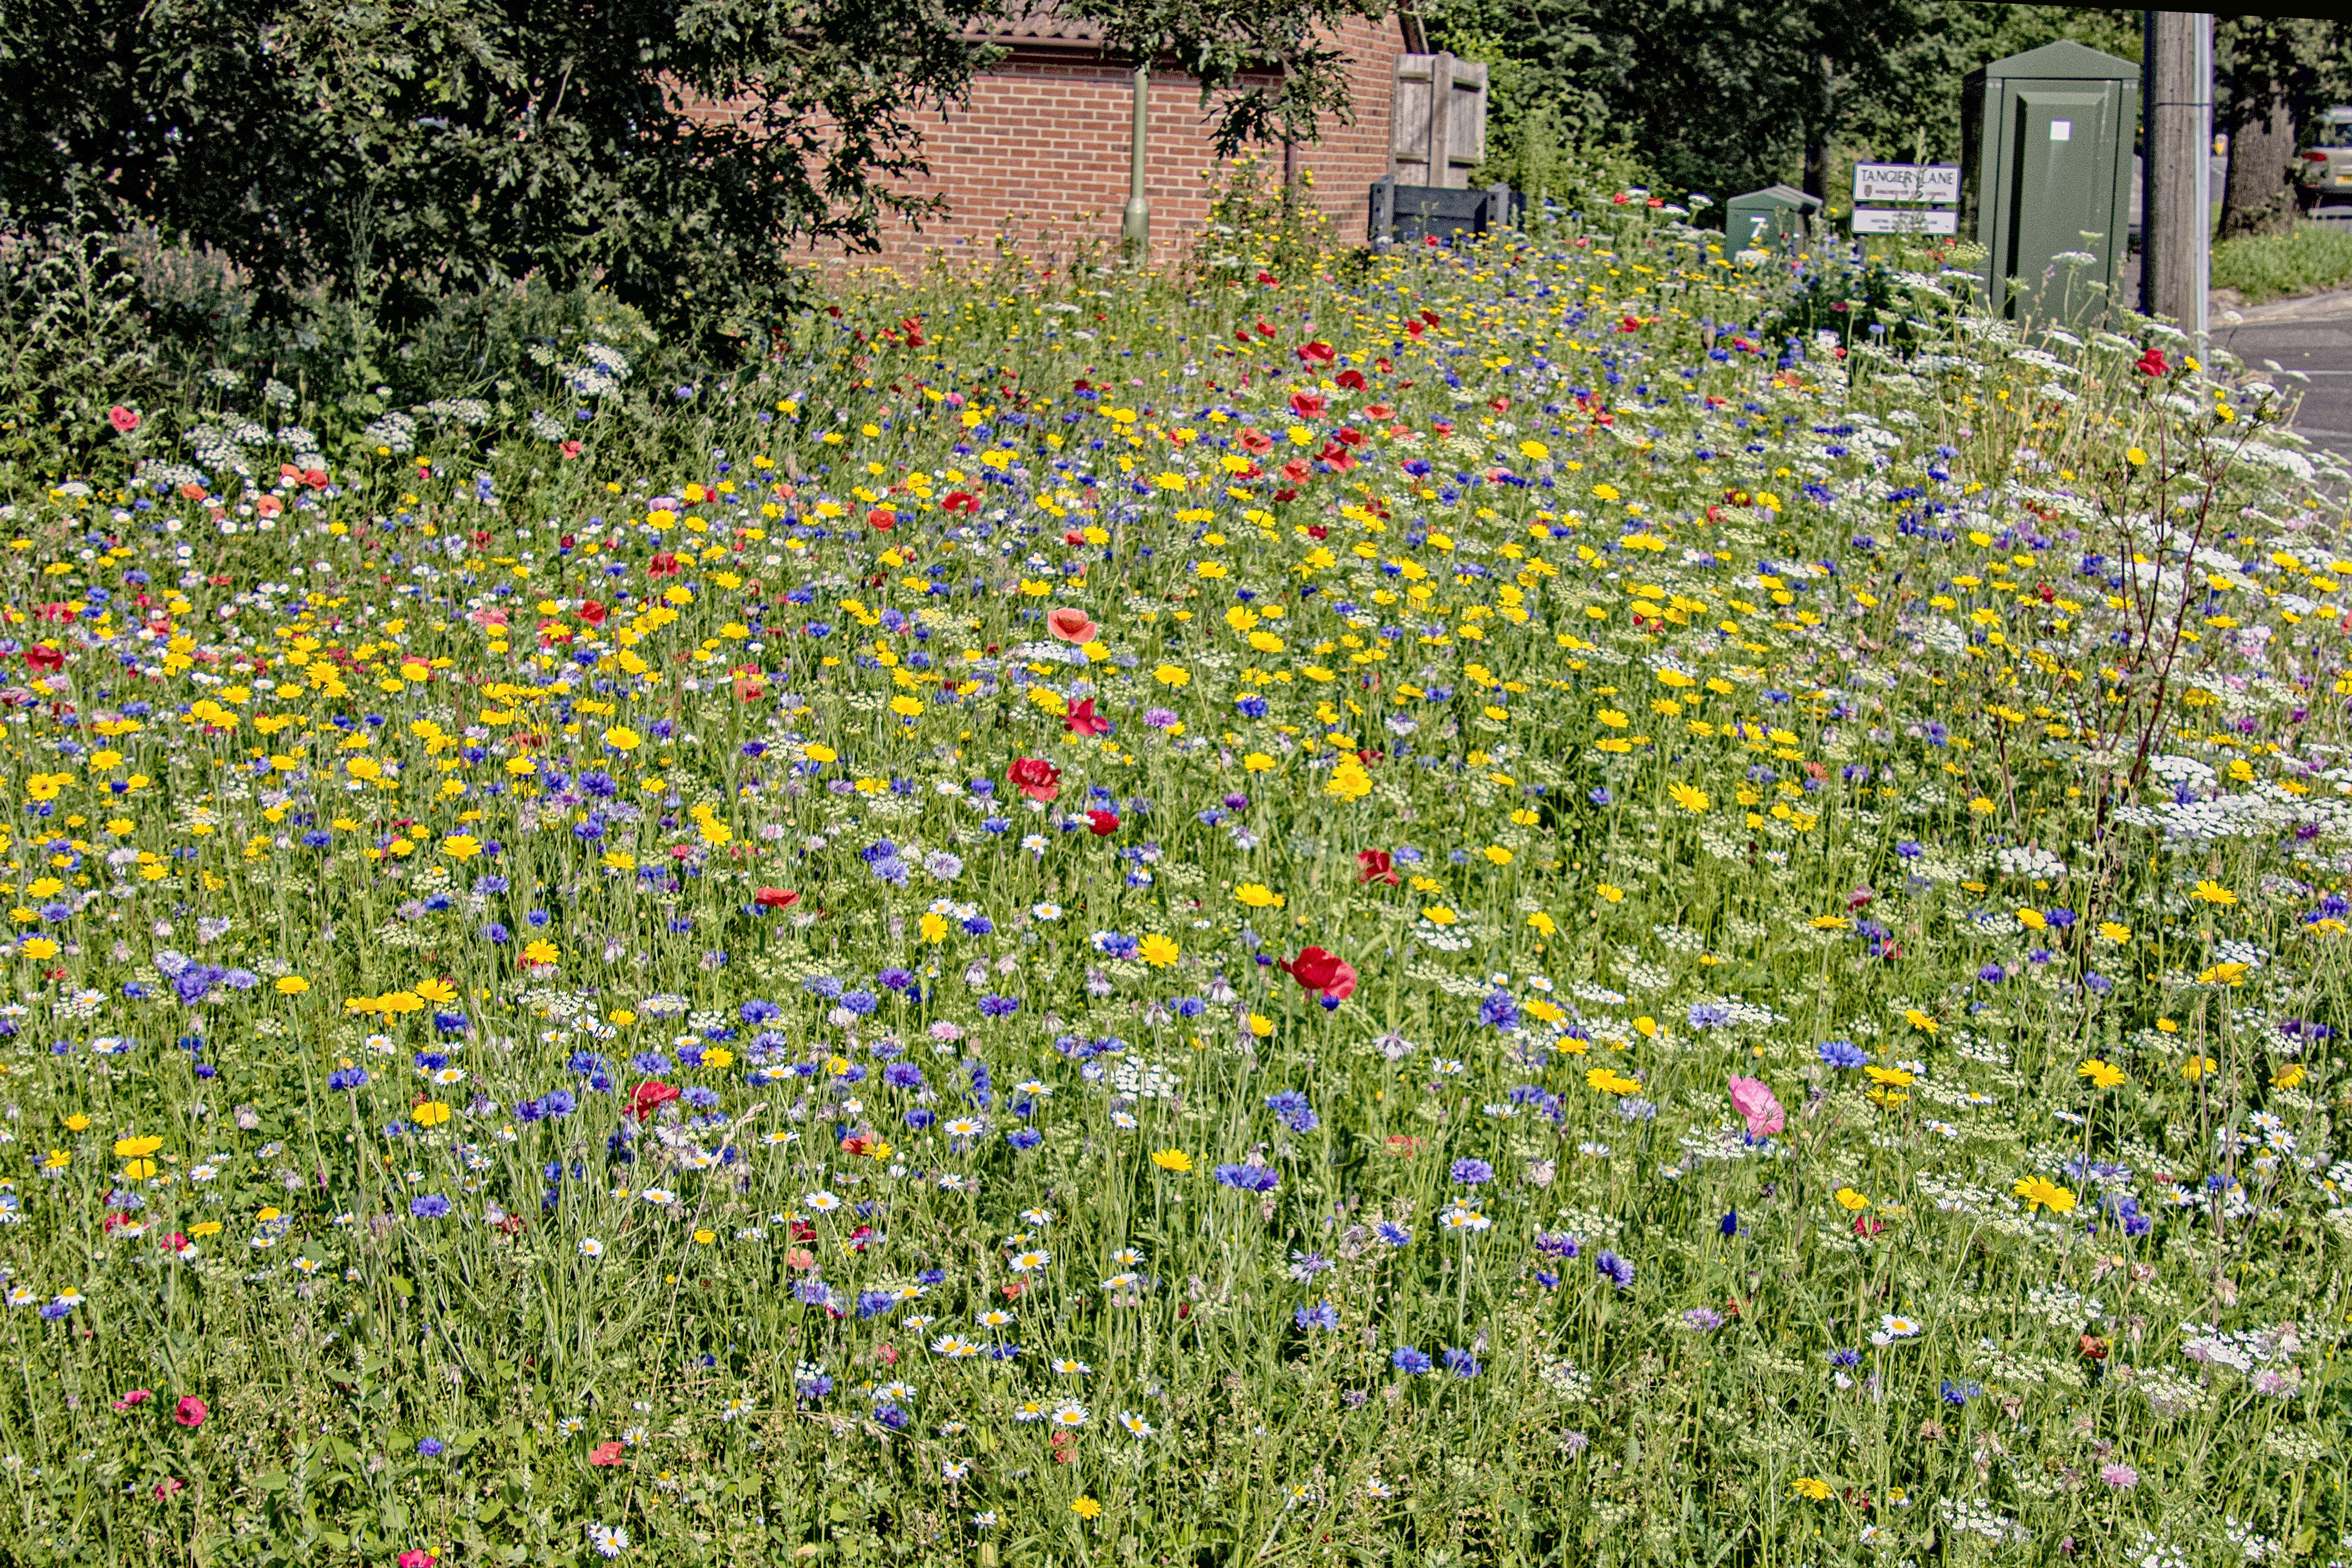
1461 1363
1618 1270
1410 1362
1319 1315
431 1205
1248 1178
1844 1054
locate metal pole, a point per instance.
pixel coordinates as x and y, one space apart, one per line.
1135 224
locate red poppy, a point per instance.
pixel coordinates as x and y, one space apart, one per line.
2152 363
649 1097
315 479
959 501
1352 378
1307 405
42 658
605 1454
122 419
882 519
775 897
190 1412
1375 865
1102 823
1069 624
1296 471
1868 1225
1035 777
1317 353
1317 970
1256 442
662 565
592 613
1378 411
1082 719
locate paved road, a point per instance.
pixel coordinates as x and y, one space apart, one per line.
2313 335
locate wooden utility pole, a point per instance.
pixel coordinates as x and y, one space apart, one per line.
2176 150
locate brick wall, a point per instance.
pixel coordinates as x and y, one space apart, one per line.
1041 154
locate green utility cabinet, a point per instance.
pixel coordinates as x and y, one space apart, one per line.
1775 215
2046 169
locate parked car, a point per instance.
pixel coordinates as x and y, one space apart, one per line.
2328 166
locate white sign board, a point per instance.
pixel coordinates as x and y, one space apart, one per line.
1936 183
1899 220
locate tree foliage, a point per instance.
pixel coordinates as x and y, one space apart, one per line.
394 151
1728 95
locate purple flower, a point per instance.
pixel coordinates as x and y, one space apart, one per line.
432 1447
1320 1315
1472 1173
1618 1270
1410 1362
1461 1363
431 1205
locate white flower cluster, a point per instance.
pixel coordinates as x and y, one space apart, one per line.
2030 860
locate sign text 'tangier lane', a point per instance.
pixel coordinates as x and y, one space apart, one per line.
1935 184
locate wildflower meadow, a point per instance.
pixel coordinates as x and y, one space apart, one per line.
1571 899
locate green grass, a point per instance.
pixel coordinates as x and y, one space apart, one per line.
1635 719
2263 268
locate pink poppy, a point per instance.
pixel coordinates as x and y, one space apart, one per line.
1753 1099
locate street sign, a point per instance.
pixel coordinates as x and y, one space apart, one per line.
1938 184
1906 220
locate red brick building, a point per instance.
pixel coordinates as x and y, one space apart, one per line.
1042 151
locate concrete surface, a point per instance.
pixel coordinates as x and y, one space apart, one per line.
2314 335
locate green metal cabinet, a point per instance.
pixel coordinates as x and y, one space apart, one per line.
1763 220
2046 168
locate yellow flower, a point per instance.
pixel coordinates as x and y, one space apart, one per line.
907 707
2032 920
2041 1194
2167 1025
202 1229
1087 1508
933 927
1260 1025
1543 924
1171 675
1610 1082
1158 951
293 986
1828 922
1439 915
2104 1074
1689 799
1983 806
2196 1067
1497 854
461 847
2288 1078
540 952
1918 1020
1615 894
2110 931
1175 1161
705 1238
2135 457
818 752
2208 891
77 1123
1894 1077
621 738
1258 763
432 1113
38 948
136 1148
1258 896
1851 1201
1812 1487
